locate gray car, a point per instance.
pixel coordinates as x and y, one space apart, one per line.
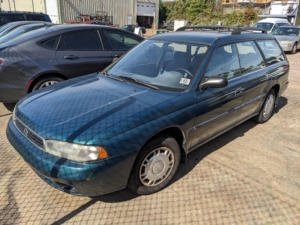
4 29
23 29
55 53
288 37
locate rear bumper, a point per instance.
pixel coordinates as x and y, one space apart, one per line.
88 179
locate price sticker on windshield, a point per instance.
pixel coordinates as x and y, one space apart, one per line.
185 81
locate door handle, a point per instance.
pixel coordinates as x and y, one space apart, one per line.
71 57
239 91
117 56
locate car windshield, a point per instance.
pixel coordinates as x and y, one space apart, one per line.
18 31
286 31
266 26
166 65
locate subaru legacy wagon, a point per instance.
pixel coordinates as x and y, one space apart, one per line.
133 123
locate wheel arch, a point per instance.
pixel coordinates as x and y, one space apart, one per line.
276 88
37 78
179 137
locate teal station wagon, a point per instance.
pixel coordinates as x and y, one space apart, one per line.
133 123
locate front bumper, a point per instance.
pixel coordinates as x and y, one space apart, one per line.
88 179
286 47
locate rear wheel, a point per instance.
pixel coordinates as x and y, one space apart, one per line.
155 166
267 108
294 49
45 82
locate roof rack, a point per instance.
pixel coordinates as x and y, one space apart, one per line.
234 29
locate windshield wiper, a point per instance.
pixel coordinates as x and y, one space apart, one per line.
140 82
109 76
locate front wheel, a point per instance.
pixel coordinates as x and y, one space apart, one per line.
155 166
267 108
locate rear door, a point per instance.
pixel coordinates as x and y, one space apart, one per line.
118 42
81 52
256 75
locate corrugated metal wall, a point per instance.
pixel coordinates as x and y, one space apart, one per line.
70 9
119 9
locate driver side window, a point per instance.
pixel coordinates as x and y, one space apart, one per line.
224 62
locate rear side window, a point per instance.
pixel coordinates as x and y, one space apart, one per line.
35 18
120 41
51 43
250 57
271 50
85 40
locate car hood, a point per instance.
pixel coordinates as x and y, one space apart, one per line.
74 111
285 38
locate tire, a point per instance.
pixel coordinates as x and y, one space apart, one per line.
294 49
153 158
267 108
46 81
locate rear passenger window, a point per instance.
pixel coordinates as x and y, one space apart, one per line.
271 50
224 62
35 18
51 43
250 57
85 40
121 41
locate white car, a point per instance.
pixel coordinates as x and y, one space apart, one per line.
271 24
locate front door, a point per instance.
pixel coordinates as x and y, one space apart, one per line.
81 52
217 109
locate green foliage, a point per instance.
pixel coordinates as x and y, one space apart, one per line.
208 12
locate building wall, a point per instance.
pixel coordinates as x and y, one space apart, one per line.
119 9
70 9
23 5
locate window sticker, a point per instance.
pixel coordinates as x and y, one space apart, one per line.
185 81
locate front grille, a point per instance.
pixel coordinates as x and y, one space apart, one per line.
34 138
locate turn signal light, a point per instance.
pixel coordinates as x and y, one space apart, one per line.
102 153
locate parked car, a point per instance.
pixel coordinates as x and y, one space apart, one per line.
6 17
271 24
132 124
4 29
51 54
22 30
131 28
288 37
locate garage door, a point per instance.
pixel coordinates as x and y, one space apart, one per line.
145 9
52 10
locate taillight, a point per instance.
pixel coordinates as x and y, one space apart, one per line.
28 85
1 61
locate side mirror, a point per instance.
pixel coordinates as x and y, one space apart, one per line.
213 82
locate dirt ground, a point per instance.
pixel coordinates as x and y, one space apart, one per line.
249 175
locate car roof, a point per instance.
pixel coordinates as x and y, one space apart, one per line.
297 27
208 37
22 22
56 30
272 20
37 23
20 12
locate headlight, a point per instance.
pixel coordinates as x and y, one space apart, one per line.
286 42
76 152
